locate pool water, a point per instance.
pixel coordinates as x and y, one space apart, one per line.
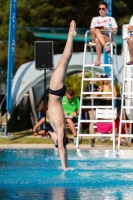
37 174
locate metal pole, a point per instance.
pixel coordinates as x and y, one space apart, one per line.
45 81
106 57
11 51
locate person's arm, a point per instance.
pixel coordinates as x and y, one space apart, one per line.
115 30
130 24
100 89
74 114
62 151
77 112
92 26
114 25
41 106
38 124
78 106
64 105
92 29
115 92
65 113
130 28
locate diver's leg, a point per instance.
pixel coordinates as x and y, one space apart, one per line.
59 75
62 149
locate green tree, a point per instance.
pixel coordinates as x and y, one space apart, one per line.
51 13
74 81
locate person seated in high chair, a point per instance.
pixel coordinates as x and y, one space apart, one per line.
99 35
96 102
41 110
130 42
71 107
57 90
45 126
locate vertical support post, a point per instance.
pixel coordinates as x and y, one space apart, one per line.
107 57
45 82
11 51
91 55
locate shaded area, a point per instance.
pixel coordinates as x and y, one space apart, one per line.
21 117
21 135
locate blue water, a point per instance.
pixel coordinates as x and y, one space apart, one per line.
37 174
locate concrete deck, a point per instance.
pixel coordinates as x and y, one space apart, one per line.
69 146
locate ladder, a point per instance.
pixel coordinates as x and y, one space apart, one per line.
126 115
87 66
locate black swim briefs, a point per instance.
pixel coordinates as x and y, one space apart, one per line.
61 92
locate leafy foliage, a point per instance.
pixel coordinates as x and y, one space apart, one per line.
74 81
50 13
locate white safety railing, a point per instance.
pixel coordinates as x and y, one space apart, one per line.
126 115
87 66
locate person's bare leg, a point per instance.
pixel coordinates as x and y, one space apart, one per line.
98 51
130 47
59 75
103 39
71 126
91 129
100 40
91 113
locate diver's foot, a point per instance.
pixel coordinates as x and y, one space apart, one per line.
68 168
72 29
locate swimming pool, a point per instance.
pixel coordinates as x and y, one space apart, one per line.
37 174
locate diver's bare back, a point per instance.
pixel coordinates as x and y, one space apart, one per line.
56 113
